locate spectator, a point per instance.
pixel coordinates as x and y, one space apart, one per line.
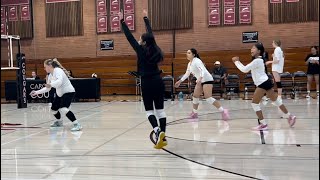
70 74
34 75
219 70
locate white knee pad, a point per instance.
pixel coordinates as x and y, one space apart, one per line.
54 112
256 107
64 111
161 113
277 102
210 100
195 100
149 113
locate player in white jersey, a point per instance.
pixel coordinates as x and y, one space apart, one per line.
264 86
59 79
204 84
277 64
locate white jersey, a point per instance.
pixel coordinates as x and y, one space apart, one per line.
257 69
197 68
278 55
58 80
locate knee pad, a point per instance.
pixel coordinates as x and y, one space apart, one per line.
210 100
54 112
256 107
161 113
278 102
279 85
64 111
149 113
195 100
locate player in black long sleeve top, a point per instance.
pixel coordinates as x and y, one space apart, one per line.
312 60
149 56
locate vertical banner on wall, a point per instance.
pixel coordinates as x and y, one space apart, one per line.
129 19
3 13
101 8
25 12
114 7
245 14
115 23
3 26
275 1
128 6
229 15
22 82
102 24
213 3
229 3
13 13
214 16
244 2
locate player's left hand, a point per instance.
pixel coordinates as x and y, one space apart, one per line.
234 59
120 14
33 93
145 13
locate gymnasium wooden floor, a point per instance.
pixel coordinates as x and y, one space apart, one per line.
115 143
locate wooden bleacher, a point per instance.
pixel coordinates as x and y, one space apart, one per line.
116 80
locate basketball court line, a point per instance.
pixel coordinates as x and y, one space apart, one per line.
104 143
49 128
199 163
219 142
74 113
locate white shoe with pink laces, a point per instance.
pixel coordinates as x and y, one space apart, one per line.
292 120
225 115
261 127
193 115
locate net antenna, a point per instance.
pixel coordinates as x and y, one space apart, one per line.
9 38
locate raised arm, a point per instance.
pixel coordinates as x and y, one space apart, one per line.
243 68
133 42
147 22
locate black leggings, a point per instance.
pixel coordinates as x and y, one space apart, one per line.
152 92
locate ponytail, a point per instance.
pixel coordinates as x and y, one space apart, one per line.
55 63
195 53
